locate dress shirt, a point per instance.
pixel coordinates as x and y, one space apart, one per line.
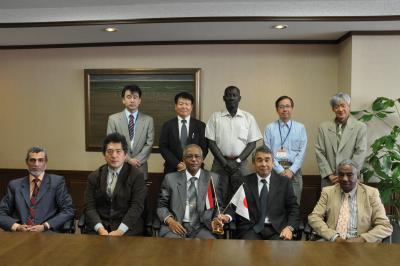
294 145
123 227
232 134
186 218
352 225
180 125
135 116
260 186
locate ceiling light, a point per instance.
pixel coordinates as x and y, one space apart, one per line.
280 27
110 29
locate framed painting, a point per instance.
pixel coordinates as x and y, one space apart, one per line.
159 86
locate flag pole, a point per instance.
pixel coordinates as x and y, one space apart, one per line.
215 194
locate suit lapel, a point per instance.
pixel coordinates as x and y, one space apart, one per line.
348 131
361 200
123 121
191 131
44 187
253 186
25 189
139 128
182 191
122 176
337 203
332 135
273 187
202 187
103 172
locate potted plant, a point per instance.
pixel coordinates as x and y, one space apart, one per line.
384 160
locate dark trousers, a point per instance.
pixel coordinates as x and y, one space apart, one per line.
268 233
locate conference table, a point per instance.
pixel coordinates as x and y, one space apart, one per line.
64 249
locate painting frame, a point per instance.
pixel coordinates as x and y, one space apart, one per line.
189 76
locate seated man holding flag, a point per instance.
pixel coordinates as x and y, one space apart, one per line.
266 206
187 203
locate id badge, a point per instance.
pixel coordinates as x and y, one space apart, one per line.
281 153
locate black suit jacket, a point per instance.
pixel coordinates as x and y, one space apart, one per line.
170 145
282 208
126 204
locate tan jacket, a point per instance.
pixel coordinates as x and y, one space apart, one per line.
372 223
353 145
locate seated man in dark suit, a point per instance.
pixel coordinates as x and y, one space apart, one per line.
179 132
115 193
350 211
37 202
272 204
182 203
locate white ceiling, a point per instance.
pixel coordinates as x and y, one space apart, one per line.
57 22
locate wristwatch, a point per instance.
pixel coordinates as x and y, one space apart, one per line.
238 160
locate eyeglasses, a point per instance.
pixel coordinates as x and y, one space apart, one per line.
284 106
34 160
111 151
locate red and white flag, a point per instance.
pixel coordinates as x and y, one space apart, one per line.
240 201
210 200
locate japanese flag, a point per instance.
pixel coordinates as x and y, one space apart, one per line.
240 201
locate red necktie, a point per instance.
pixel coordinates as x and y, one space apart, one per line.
32 206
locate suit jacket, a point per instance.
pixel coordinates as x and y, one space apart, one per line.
282 207
372 222
126 205
170 145
173 195
54 203
353 145
144 136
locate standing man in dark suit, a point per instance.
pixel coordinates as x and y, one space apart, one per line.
272 204
179 132
182 206
38 202
137 127
115 193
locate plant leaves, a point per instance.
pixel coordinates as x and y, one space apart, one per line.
382 103
366 118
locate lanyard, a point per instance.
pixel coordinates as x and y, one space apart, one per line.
280 133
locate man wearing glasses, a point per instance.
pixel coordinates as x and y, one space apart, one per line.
38 202
288 141
115 193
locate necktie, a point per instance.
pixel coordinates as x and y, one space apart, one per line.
131 126
32 207
263 204
192 197
339 133
111 184
184 134
344 216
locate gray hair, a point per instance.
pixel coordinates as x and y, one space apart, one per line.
36 149
192 146
349 162
340 97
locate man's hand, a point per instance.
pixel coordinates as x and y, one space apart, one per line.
22 228
175 227
116 233
135 162
223 218
181 167
36 228
102 231
288 173
231 166
333 178
356 240
286 233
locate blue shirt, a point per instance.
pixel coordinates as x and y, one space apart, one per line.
294 138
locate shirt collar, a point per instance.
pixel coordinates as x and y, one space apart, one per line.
127 113
266 178
189 175
40 177
115 171
283 124
186 118
225 112
352 192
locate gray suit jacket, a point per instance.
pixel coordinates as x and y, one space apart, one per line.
353 145
54 203
173 194
144 136
372 223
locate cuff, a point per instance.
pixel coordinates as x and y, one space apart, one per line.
333 238
165 220
14 227
98 226
123 227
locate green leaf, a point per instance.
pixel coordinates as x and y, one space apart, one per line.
380 114
367 174
396 172
382 103
366 118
